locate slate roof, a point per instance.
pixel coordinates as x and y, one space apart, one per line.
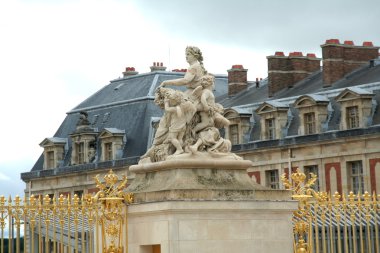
125 104
309 85
363 81
55 140
318 98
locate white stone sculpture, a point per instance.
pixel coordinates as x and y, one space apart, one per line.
189 125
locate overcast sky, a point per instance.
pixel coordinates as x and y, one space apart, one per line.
54 54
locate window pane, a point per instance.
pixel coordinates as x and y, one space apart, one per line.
80 152
352 117
272 179
312 169
357 179
270 129
309 119
108 151
50 159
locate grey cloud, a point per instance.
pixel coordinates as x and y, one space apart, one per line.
290 25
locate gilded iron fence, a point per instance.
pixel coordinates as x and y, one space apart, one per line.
67 224
337 223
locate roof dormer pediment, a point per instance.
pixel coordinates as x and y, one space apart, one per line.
109 132
271 106
310 100
353 93
53 141
230 113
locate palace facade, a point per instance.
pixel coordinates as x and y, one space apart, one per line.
320 115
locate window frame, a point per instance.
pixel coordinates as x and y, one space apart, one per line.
108 151
309 123
80 152
356 177
270 129
272 179
315 170
50 159
352 117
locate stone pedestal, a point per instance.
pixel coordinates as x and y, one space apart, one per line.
211 227
206 205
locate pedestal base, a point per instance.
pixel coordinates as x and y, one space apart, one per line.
211 226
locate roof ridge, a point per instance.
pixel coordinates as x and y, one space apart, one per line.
127 101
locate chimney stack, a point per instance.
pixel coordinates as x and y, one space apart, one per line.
180 70
237 79
285 71
157 66
341 59
130 71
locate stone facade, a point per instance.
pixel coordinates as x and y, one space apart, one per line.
77 181
331 158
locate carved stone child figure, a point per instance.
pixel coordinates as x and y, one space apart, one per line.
209 111
181 112
159 151
211 141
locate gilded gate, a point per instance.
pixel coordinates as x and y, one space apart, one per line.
67 224
336 223
98 223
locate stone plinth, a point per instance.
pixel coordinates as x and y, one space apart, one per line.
206 205
197 179
211 226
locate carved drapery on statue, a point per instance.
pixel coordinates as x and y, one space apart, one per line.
191 119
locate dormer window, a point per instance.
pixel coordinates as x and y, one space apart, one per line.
273 120
313 112
54 151
112 143
356 108
239 126
352 117
84 141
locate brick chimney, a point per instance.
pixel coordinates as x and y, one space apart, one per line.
237 79
180 70
341 59
285 71
130 71
157 66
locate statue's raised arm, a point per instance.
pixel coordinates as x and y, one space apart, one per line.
194 73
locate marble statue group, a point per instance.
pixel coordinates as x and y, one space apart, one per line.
191 119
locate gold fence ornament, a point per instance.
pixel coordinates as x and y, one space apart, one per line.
113 214
302 192
333 223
